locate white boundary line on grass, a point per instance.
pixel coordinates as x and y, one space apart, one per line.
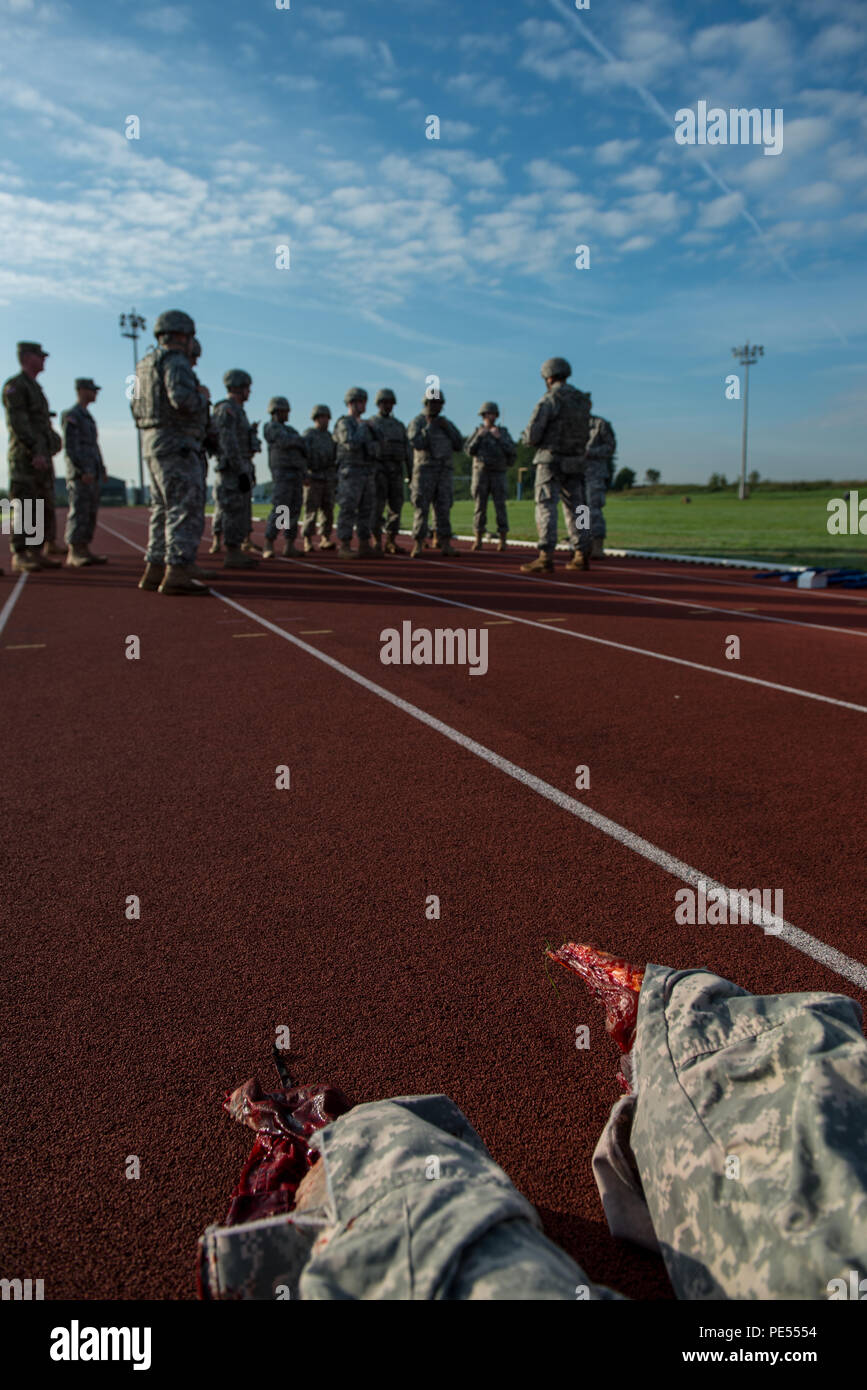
802 941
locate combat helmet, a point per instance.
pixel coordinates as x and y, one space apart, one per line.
355 393
556 366
278 403
235 379
320 410
386 394
490 408
173 321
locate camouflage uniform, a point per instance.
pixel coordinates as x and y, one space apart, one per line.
601 447
235 443
83 455
558 429
356 463
434 440
167 407
319 492
287 460
778 1083
491 458
395 460
28 421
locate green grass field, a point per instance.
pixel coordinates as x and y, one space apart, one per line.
783 527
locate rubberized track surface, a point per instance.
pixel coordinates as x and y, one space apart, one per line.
306 907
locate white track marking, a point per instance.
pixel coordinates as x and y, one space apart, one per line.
581 636
787 590
691 604
782 930
6 611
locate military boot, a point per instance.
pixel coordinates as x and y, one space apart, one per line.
376 548
52 548
308 546
216 545
598 551
327 544
346 552
23 562
580 561
44 563
249 548
446 547
365 551
96 559
501 543
237 560
392 547
77 555
152 577
178 580
197 573
417 549
477 543
542 565
268 552
289 548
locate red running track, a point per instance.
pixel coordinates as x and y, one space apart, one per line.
306 907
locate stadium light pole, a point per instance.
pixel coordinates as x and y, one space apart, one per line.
130 325
747 356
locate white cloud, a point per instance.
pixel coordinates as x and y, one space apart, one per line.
720 211
462 164
549 175
615 151
643 178
165 19
456 130
485 91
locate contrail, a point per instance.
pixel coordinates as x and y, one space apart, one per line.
658 109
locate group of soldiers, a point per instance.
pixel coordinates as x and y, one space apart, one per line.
360 466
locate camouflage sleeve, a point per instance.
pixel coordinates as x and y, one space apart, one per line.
418 434
181 386
454 434
471 443
226 425
509 447
71 426
18 415
539 421
371 446
408 449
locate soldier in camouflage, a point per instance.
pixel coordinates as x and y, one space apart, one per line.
395 460
234 467
559 429
287 460
357 456
32 442
434 440
320 484
207 445
492 450
739 1155
85 471
167 408
598 474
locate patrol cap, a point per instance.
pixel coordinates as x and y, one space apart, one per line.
278 403
386 394
355 393
489 408
86 383
556 366
30 347
235 379
320 410
173 321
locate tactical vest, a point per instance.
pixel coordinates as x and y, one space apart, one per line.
151 407
568 432
391 436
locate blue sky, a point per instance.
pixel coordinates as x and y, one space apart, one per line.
306 127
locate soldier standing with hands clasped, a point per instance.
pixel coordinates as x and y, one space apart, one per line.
32 441
287 460
395 459
434 440
85 471
234 467
492 450
320 482
357 455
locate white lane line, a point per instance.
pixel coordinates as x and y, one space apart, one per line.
776 588
773 926
6 611
692 604
565 632
581 636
